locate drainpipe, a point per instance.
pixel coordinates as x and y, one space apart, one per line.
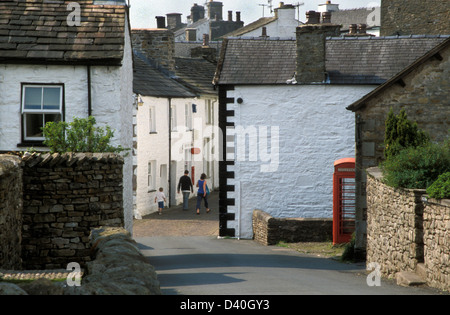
170 153
89 90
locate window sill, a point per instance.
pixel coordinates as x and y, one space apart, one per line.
28 144
153 133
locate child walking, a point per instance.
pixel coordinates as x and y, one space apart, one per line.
161 198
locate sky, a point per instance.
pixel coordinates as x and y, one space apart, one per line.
143 12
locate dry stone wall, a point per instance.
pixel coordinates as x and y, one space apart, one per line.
436 222
64 197
10 212
404 229
268 230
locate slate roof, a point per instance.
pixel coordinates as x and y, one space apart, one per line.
351 16
37 32
196 74
149 81
430 55
356 60
256 61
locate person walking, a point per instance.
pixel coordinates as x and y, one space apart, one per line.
186 187
160 198
202 193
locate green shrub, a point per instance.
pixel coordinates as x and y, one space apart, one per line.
402 133
80 135
440 189
417 167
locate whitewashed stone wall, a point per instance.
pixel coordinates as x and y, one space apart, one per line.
314 129
154 146
112 103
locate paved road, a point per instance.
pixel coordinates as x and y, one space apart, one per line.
191 260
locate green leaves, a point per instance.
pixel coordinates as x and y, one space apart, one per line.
80 135
401 133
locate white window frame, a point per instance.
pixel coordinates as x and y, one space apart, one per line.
188 116
173 117
152 120
151 176
42 111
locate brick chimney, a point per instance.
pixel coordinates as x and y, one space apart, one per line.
160 22
311 50
214 10
174 21
157 45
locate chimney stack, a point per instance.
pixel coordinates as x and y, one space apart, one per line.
205 40
326 17
238 16
352 29
230 16
158 45
311 49
191 34
160 22
312 17
173 20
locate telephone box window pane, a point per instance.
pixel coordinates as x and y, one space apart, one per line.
33 98
52 98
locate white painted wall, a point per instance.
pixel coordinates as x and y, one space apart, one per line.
284 26
112 104
314 129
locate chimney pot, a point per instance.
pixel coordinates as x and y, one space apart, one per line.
326 17
352 29
238 16
205 40
264 32
313 17
362 28
191 34
230 16
160 22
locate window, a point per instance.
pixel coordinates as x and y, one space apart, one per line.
40 104
188 116
209 112
152 120
151 174
173 118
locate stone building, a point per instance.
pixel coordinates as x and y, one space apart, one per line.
282 107
423 90
415 17
55 65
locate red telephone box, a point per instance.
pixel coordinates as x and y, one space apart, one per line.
344 198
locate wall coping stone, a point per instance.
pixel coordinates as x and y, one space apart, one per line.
69 158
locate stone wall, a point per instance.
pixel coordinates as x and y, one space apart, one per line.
394 226
268 230
10 212
64 197
403 230
414 17
436 223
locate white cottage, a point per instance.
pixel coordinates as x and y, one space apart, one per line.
175 121
282 107
282 24
56 63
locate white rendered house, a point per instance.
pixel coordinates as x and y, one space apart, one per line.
60 71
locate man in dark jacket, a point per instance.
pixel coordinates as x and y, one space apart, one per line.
185 185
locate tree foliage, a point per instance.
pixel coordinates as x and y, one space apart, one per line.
80 135
402 133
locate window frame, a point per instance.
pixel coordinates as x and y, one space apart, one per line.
38 141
